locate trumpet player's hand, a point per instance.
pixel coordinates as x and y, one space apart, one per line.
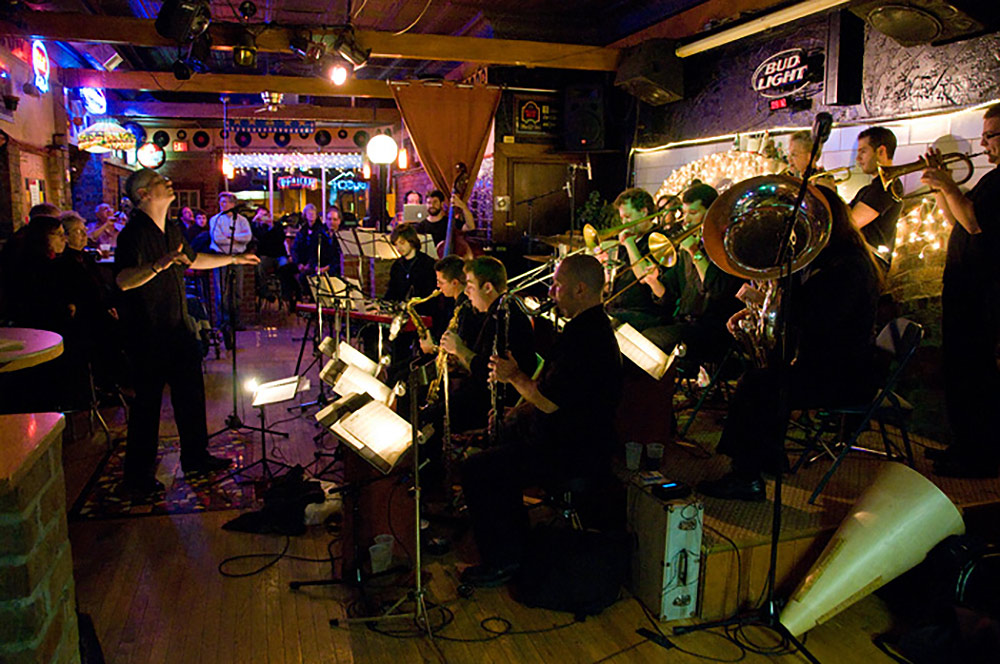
427 345
733 324
504 369
750 296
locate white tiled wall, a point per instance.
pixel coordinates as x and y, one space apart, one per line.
954 132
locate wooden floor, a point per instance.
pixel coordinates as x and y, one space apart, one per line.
155 592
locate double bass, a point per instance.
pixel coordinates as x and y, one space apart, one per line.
454 240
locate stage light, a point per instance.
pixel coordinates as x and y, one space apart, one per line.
382 149
183 20
347 45
245 52
338 74
247 10
306 48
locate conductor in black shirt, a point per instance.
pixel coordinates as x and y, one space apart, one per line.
563 431
150 260
874 211
970 304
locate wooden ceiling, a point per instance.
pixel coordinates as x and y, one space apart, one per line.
409 40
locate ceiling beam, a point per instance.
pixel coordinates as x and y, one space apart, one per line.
221 83
692 22
322 114
141 32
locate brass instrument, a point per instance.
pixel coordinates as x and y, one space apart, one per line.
891 174
397 323
593 237
743 233
662 250
838 175
441 361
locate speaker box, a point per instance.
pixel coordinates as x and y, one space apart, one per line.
652 72
583 117
914 22
845 48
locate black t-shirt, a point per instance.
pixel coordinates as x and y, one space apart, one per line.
881 231
412 278
520 341
159 305
583 376
636 305
439 229
975 259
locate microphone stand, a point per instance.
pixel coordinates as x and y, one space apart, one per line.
233 421
531 211
769 613
321 398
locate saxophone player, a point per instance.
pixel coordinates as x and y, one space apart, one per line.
450 275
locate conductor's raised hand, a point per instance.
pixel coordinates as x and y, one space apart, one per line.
176 257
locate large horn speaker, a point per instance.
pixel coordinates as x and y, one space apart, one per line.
890 529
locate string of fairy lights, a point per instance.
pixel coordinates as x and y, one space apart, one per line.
922 229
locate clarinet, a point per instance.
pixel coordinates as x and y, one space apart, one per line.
498 389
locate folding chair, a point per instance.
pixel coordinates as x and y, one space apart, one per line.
899 339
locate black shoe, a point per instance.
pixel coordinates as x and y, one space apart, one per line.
734 487
954 466
143 487
206 464
488 576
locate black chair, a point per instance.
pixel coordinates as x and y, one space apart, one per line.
717 383
899 339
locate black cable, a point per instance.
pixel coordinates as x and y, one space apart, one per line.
275 557
624 650
656 625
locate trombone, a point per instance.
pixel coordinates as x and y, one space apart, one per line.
890 175
662 250
838 175
593 237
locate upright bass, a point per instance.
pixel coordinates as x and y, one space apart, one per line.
454 240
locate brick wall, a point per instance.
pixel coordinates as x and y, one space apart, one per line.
37 604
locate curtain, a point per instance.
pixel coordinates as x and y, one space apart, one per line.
448 123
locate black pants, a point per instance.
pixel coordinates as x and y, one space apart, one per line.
166 358
970 329
755 425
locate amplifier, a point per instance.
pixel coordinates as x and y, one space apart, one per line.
666 559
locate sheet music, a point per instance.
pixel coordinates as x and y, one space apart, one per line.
376 427
643 352
356 358
276 391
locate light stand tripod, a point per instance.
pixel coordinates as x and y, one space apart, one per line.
768 614
233 421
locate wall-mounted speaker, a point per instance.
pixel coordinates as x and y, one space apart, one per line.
243 138
583 117
913 22
322 138
652 72
200 139
845 49
282 139
161 138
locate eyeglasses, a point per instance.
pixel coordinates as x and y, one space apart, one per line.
990 135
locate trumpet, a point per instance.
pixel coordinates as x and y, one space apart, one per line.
891 175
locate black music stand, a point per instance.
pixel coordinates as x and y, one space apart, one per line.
277 391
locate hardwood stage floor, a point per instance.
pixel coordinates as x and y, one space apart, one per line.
154 590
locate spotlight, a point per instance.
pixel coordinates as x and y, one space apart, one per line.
200 53
182 70
183 20
338 74
247 10
306 48
245 52
348 47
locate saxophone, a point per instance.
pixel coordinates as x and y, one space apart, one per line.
408 310
441 362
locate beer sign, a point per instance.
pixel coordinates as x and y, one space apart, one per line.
784 73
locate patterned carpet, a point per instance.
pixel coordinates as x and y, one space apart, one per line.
105 497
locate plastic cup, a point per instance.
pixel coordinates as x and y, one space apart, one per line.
654 455
633 454
386 539
381 556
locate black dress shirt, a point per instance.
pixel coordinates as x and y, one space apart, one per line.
159 305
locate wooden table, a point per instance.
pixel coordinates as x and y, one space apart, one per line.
37 346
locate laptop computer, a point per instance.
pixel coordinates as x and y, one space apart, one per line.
414 212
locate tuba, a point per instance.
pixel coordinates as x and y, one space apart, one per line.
743 233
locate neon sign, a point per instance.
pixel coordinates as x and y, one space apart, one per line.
94 100
298 182
348 185
40 65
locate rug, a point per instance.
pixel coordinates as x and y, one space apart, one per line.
105 497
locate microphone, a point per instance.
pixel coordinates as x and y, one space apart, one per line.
590 174
821 127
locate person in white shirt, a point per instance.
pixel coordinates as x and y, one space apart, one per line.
230 234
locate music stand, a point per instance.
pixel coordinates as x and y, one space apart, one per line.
265 394
328 293
644 353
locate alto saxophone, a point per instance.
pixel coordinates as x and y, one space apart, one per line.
441 362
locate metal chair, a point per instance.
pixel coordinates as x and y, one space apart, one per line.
899 339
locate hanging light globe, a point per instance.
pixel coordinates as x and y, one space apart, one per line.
382 149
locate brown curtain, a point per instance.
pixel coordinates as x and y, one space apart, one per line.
448 123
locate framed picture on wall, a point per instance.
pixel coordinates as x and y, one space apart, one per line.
36 190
